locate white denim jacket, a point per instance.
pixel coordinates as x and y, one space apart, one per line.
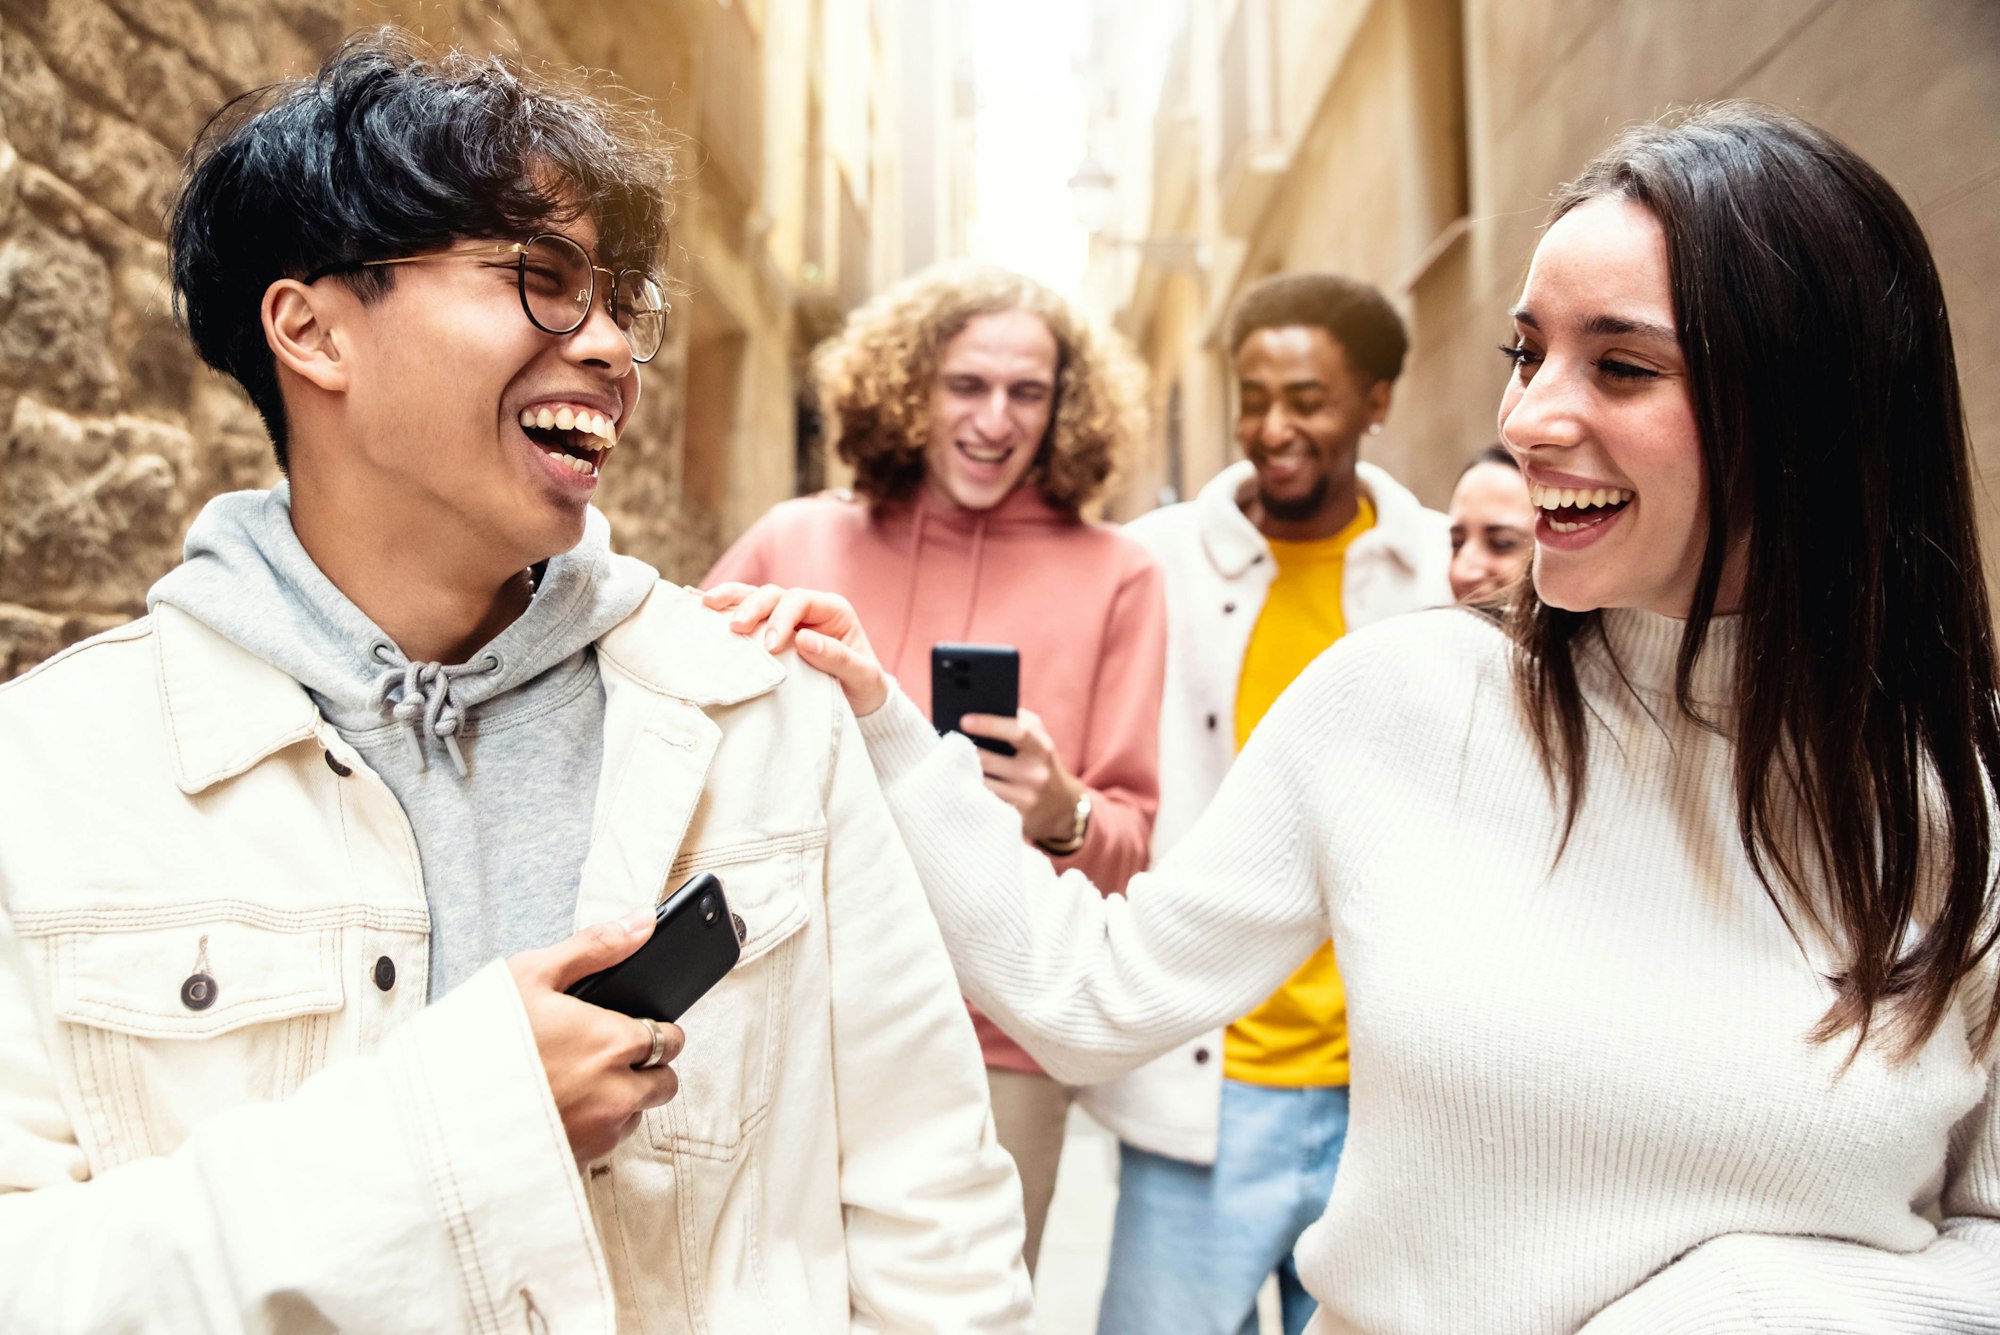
224 1105
1218 569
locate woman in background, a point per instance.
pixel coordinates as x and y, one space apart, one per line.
1492 527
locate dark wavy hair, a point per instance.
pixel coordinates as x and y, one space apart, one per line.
1826 396
389 149
1357 316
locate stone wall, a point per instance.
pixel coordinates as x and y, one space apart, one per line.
112 434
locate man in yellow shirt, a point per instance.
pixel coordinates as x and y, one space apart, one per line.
1231 1143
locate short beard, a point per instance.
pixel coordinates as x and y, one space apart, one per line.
1298 511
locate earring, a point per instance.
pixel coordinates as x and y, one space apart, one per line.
1374 428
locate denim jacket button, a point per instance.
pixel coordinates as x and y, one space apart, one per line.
198 992
333 763
385 973
1201 1056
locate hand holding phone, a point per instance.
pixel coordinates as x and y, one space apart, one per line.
693 947
975 679
594 1059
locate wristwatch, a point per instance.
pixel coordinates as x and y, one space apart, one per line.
1064 847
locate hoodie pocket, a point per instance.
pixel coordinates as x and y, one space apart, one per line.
735 1033
161 1026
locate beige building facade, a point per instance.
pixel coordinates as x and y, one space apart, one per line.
1415 144
797 201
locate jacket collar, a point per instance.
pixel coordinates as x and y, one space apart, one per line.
1233 543
677 647
227 709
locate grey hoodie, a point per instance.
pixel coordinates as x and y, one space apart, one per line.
494 760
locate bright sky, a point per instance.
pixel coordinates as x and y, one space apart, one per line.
1029 134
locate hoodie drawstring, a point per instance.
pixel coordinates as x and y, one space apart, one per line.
424 703
979 523
909 590
978 569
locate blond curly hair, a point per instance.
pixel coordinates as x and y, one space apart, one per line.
875 379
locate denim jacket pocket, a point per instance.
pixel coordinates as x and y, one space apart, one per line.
167 1017
734 1033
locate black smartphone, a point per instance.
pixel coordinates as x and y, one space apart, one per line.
693 947
974 679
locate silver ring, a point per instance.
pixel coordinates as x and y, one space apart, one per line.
658 1051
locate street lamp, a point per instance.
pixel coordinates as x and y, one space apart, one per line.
1091 192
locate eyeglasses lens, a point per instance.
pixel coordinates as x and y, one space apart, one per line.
555 283
641 309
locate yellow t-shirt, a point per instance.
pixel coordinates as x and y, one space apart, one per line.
1298 1037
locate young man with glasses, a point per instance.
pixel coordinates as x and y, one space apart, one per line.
296 870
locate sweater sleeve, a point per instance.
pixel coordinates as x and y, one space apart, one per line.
1794 1285
1120 764
1093 986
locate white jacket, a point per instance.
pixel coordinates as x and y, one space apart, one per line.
1218 569
312 1147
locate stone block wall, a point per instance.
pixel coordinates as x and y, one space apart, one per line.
112 434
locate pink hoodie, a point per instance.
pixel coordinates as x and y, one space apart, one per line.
1081 601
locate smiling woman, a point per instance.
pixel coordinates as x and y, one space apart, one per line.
1666 909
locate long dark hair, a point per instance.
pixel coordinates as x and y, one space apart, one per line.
1819 358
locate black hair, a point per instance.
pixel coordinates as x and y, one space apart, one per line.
389 149
1826 397
1358 317
1492 454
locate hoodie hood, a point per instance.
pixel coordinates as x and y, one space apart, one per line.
929 518
245 575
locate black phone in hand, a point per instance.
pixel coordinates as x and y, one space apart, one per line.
694 945
974 679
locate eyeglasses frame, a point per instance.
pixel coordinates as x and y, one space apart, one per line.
519 250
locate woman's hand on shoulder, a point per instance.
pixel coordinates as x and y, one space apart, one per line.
823 626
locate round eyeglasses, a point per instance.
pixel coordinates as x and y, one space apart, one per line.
558 285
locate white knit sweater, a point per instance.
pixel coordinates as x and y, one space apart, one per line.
1582 1092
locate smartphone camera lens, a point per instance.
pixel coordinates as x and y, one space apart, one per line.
708 909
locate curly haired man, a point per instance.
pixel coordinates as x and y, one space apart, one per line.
980 416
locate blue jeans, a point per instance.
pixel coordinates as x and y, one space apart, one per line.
1191 1245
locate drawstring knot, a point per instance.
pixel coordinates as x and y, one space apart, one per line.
418 696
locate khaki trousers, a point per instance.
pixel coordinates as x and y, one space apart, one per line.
1030 1112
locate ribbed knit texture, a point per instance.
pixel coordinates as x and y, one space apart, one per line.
1580 1088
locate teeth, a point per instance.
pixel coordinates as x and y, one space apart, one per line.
572 419
1557 498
